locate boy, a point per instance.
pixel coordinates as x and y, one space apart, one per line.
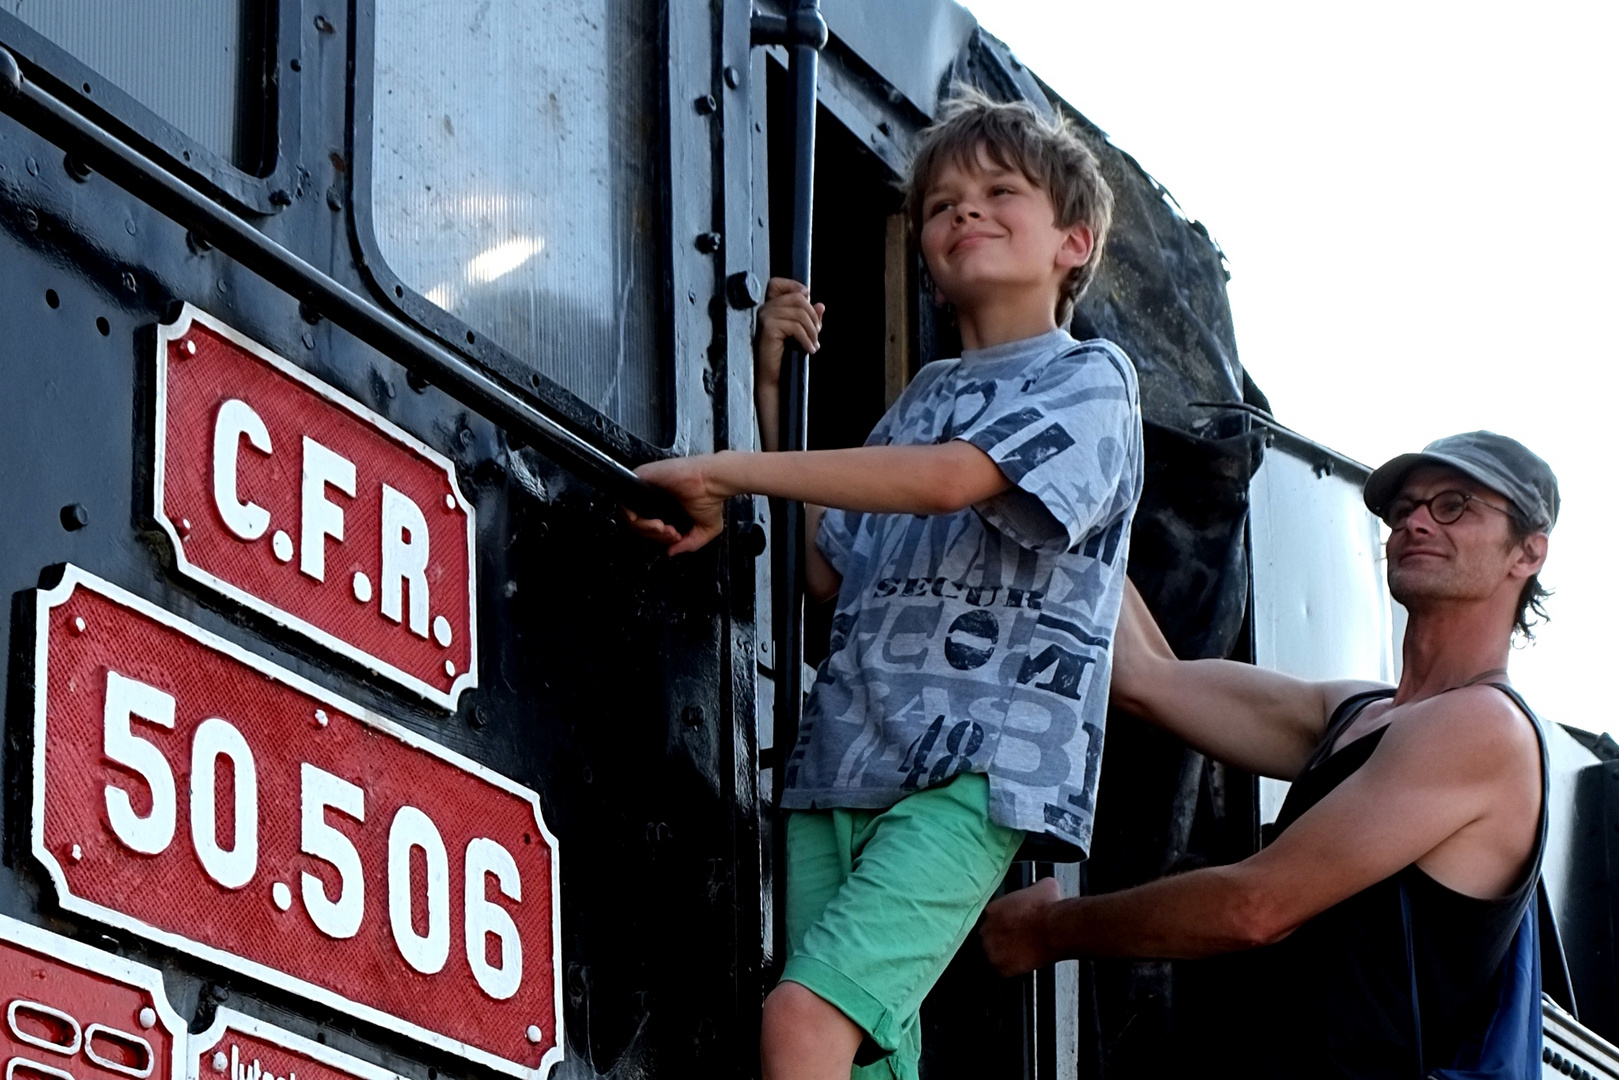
977 549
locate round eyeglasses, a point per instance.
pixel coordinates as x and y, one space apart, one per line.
1446 508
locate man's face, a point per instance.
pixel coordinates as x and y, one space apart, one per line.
1472 558
988 230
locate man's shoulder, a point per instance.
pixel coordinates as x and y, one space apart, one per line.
1471 728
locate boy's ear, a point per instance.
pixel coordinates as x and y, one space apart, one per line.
1077 245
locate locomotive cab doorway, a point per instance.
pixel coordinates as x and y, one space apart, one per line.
881 326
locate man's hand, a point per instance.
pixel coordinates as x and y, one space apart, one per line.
694 482
1013 928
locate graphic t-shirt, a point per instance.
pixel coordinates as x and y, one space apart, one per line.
980 641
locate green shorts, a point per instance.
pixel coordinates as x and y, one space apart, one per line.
878 901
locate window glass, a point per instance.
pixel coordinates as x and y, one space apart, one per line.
200 66
516 183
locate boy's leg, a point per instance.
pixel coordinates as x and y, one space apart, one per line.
920 874
801 1035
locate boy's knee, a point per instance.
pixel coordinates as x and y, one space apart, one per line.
799 1023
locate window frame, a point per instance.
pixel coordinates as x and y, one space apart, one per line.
109 105
687 420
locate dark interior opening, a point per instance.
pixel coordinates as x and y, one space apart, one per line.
850 271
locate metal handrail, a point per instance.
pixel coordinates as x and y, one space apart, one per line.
92 145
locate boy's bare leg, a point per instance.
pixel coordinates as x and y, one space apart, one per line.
805 1038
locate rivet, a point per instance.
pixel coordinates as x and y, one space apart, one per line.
449 502
76 853
534 1033
129 226
362 587
76 168
308 340
441 631
185 527
79 625
449 668
220 1062
280 895
281 545
147 1017
30 220
33 167
733 76
188 347
321 718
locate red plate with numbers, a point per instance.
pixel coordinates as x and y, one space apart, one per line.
240 1047
77 1013
303 504
206 799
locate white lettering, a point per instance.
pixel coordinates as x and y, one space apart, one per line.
236 418
321 517
338 918
484 917
412 829
215 738
128 699
404 560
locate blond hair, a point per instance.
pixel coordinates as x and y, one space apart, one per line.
1046 150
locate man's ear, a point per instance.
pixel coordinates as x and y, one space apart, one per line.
1077 245
1531 555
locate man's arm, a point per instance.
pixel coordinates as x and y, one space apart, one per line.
1246 716
1454 785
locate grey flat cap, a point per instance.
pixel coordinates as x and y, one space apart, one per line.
1499 463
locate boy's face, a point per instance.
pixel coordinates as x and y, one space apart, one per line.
989 235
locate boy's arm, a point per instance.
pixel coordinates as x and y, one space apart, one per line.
939 479
1247 716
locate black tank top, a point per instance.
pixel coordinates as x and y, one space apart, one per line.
1341 984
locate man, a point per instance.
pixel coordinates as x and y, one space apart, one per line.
1427 797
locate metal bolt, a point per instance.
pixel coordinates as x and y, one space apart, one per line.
33 165
750 539
129 282
75 517
692 716
884 127
415 381
477 718
197 243
708 242
324 25
30 220
307 312
76 168
706 104
334 198
743 291
279 197
294 64
733 77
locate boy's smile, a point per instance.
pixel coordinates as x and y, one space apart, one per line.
990 239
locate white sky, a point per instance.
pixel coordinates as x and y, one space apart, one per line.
1416 200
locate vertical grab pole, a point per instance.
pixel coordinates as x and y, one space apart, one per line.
804 33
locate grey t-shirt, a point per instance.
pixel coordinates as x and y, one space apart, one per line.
979 641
